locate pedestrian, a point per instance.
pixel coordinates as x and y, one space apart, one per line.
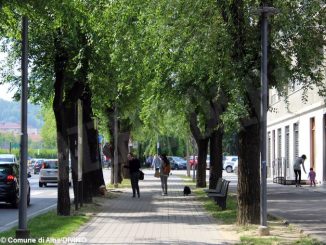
165 169
312 176
134 166
156 164
149 161
297 169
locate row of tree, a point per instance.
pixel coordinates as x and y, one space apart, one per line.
171 67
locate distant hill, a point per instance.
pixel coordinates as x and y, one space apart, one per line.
10 111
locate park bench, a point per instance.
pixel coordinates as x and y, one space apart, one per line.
220 198
218 188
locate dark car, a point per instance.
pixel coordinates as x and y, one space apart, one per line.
177 162
9 184
37 165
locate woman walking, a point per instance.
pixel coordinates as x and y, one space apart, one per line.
165 169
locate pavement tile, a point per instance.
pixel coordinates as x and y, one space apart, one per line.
153 218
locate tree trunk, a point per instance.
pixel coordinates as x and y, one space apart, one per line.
93 167
60 60
249 176
201 166
216 157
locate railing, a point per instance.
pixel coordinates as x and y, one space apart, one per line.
281 171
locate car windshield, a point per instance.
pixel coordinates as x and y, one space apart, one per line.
8 159
52 164
5 169
178 159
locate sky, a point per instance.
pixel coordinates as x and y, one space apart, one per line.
5 93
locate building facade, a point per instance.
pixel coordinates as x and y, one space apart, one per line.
296 126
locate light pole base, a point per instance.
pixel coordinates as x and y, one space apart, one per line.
22 233
263 231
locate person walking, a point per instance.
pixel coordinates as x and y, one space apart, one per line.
297 169
134 166
312 177
156 164
165 169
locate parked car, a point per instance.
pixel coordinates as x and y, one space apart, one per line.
49 172
230 163
36 165
9 182
8 158
177 162
193 161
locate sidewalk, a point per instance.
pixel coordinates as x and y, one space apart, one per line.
153 218
303 206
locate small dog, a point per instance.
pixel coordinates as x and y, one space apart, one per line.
186 191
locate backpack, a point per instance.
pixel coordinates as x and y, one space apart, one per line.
166 169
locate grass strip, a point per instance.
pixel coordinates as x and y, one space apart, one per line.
51 226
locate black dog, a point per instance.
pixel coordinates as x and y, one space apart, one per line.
186 191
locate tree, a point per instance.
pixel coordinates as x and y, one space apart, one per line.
295 57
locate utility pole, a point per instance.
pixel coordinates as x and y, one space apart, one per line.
22 231
265 12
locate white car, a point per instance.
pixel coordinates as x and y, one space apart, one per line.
49 172
230 163
8 158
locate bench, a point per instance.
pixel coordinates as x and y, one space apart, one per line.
220 198
218 188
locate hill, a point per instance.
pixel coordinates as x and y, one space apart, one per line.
10 111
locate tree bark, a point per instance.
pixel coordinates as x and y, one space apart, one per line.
249 176
201 166
216 157
92 168
63 206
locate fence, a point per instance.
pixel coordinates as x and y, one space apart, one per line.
281 171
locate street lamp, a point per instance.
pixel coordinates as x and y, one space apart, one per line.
265 12
22 231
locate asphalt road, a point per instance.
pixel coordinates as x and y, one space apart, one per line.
43 199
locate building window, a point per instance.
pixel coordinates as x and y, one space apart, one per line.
287 145
295 140
269 149
279 143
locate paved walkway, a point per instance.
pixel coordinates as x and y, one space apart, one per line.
304 206
176 219
153 218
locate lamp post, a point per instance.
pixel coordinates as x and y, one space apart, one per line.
22 231
265 12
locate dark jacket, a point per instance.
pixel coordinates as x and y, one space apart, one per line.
134 165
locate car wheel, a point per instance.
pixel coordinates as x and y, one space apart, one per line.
45 184
40 184
228 169
15 201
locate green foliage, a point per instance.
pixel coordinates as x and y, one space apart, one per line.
49 131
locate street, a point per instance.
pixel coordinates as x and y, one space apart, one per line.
42 200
